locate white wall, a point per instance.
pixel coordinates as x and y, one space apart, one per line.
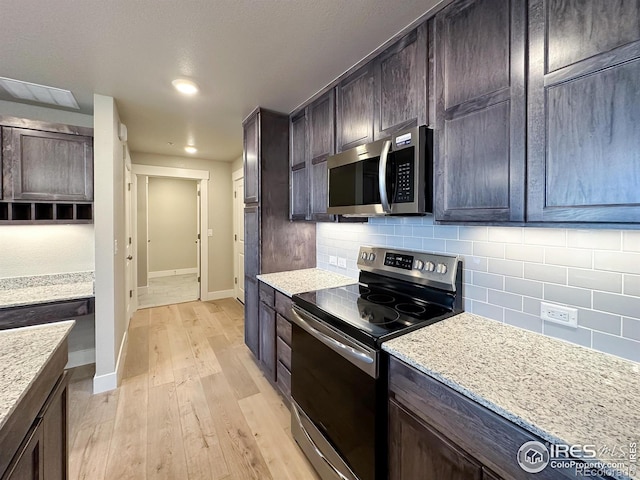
510 270
27 250
33 112
173 224
109 221
220 221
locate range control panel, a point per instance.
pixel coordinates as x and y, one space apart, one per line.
417 267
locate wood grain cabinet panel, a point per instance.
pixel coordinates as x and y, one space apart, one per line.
252 316
29 464
40 165
480 111
268 340
251 166
584 111
299 159
354 109
321 145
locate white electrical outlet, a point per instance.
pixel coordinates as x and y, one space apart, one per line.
559 314
333 260
342 262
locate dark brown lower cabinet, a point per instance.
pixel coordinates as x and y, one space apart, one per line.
43 454
268 340
416 450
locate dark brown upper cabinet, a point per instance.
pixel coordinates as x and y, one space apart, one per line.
584 111
479 157
387 94
44 165
312 134
400 80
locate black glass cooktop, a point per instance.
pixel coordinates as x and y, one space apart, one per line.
371 314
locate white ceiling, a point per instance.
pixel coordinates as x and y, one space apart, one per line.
242 53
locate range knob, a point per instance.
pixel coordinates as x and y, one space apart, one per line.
429 267
441 268
418 265
364 256
372 257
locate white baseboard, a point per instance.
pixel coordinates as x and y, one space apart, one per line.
111 380
81 357
143 290
218 295
170 273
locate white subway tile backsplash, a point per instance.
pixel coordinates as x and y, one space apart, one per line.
620 304
506 234
603 322
545 273
632 285
523 320
595 280
631 328
488 249
474 233
621 347
595 239
503 299
508 271
530 288
578 297
528 253
617 262
581 336
505 267
545 236
631 241
489 280
568 257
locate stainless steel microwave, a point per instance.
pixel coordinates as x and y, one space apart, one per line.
387 177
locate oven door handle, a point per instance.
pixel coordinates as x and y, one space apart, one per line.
382 176
345 350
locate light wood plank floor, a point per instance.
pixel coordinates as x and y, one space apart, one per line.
192 405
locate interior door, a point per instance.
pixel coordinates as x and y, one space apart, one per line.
129 271
238 236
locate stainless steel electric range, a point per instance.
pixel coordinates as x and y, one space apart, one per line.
338 370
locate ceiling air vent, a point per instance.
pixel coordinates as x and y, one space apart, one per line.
33 92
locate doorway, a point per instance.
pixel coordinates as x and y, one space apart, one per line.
238 233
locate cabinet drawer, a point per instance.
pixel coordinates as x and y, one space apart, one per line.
23 316
284 380
284 329
284 353
283 305
267 294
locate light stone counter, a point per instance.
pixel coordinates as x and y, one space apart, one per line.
306 280
561 392
24 352
19 291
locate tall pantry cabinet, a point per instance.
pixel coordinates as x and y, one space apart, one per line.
272 242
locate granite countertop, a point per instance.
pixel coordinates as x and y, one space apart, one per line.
306 280
561 392
20 291
24 352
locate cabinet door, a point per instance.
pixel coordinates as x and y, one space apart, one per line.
418 451
268 340
251 316
354 109
584 111
27 464
251 154
252 241
298 152
489 475
401 85
55 432
480 111
321 114
48 166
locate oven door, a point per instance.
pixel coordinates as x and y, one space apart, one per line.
337 410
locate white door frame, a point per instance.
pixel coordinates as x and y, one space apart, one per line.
202 178
237 175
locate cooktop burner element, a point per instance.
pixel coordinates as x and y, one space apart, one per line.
398 291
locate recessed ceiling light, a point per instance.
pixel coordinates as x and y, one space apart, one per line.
39 93
185 86
190 149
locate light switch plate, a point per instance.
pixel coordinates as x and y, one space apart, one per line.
559 314
342 262
210 232
333 260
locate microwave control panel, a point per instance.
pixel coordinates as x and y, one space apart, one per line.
404 181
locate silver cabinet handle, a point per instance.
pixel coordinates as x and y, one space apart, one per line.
331 342
382 176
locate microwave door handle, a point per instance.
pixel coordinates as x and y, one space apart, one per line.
382 176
